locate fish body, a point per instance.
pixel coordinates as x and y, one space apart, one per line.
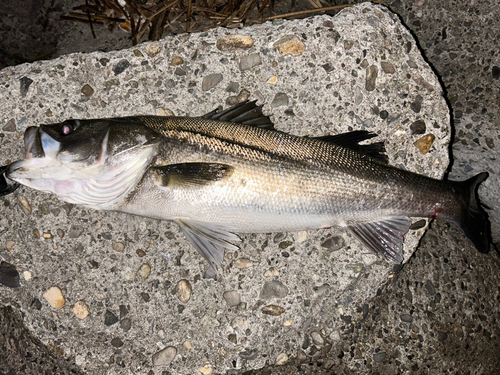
231 172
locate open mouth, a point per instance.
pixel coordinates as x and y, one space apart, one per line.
32 143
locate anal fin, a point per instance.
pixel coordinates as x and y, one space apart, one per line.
210 240
383 237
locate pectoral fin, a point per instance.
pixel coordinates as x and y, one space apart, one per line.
210 240
383 237
190 174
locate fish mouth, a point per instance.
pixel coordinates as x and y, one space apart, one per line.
32 143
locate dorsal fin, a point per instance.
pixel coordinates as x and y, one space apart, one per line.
351 141
247 113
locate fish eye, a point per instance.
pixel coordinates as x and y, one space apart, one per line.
69 126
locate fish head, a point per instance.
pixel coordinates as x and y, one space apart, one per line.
91 162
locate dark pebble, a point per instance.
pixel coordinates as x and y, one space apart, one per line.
416 106
117 343
87 90
495 72
383 114
418 127
379 357
285 244
25 83
442 336
123 311
280 99
328 67
140 253
418 224
407 318
232 337
306 342
121 66
145 296
9 275
346 318
334 243
10 126
126 324
110 318
179 71
430 287
279 237
36 304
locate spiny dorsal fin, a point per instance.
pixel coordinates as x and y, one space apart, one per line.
351 140
384 237
247 113
191 174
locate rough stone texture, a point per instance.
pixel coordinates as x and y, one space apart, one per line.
374 335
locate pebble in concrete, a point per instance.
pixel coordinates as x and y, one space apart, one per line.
54 297
165 356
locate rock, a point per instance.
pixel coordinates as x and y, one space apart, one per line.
407 318
418 127
387 67
10 126
234 42
334 243
290 44
371 78
118 246
121 66
54 297
80 310
272 272
117 343
273 80
302 236
27 275
379 357
273 289
75 231
288 322
317 338
152 49
110 318
188 345
244 263
250 61
165 356
126 324
9 245
281 359
176 60
280 99
430 287
210 81
416 105
87 90
273 310
144 271
183 290
24 86
25 205
232 298
206 370
9 276
424 144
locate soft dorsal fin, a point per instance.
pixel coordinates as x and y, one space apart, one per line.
384 237
190 174
248 113
351 140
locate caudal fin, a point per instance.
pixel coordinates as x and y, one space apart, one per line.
474 222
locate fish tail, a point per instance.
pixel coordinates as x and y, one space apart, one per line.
474 221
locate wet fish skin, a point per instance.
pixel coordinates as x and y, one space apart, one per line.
230 172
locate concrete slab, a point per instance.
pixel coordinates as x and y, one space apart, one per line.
359 70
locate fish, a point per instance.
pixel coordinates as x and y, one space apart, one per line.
230 171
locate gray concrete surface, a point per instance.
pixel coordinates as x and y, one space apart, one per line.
413 325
